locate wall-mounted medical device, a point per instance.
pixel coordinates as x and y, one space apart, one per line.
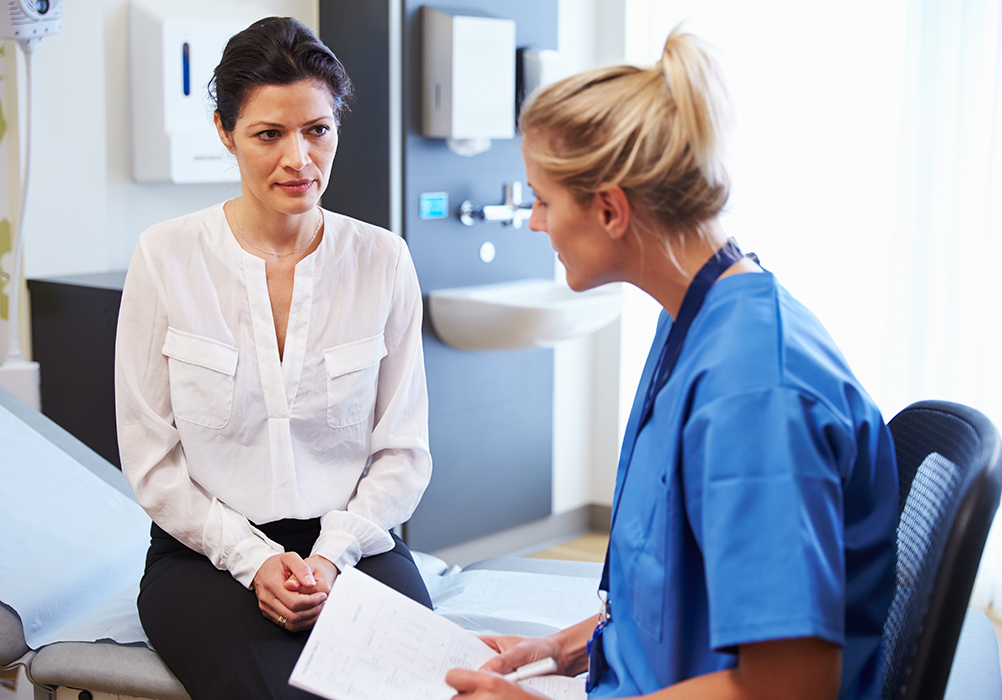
173 56
25 20
468 79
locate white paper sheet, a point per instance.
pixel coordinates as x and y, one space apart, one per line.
557 687
71 544
373 643
514 602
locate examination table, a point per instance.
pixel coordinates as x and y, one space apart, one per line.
72 551
73 547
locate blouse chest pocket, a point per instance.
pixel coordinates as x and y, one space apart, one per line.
202 374
352 379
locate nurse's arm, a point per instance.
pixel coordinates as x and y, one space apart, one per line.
784 669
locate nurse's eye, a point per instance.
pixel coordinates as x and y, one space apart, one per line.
268 134
320 130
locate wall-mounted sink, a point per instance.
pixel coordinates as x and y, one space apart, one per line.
528 313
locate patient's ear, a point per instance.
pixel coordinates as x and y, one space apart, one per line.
614 208
223 136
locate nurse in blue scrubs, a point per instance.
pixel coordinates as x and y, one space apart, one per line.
752 547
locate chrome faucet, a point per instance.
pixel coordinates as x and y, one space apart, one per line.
511 213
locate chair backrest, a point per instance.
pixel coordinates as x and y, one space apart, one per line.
950 479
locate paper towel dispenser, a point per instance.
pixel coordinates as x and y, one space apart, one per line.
173 56
468 78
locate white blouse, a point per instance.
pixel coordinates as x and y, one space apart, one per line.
216 432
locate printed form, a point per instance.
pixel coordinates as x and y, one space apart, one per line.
374 643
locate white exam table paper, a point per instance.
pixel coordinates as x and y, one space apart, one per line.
513 602
87 588
373 643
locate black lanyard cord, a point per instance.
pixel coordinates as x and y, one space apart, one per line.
707 276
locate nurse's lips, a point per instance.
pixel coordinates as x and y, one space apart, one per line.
296 186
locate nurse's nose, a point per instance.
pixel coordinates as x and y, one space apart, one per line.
536 220
297 153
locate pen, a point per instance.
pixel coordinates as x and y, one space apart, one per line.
536 668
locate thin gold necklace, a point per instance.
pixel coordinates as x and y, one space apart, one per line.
233 208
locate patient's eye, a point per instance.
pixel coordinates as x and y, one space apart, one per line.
268 134
320 129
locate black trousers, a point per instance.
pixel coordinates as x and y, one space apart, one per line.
209 631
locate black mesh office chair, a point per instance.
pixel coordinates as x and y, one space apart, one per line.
950 478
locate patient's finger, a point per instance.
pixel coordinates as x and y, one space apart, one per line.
294 607
282 599
301 602
288 609
298 614
298 570
303 620
324 572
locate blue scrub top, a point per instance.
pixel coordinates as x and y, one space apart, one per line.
761 501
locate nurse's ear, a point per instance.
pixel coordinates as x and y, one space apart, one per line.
613 207
223 135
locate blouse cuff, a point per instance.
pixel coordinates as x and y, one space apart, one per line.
247 557
346 537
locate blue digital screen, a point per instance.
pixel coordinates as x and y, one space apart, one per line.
434 205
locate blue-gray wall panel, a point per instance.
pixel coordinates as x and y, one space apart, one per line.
490 413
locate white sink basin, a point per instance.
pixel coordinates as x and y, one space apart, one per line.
529 313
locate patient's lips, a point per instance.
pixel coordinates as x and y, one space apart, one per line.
295 186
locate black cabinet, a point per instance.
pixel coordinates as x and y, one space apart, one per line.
73 322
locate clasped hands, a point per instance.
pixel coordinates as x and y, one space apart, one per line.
291 591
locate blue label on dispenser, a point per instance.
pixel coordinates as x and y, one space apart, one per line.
186 68
434 205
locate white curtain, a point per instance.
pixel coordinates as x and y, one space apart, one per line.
867 170
945 312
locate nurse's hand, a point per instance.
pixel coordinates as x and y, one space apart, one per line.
477 685
293 610
515 652
568 647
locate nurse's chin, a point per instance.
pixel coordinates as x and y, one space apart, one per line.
580 285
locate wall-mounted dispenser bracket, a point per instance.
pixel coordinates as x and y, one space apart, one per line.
173 49
468 79
511 213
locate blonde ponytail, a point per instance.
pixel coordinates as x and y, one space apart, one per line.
698 89
657 132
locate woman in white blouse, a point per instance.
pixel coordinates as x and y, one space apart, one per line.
272 408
